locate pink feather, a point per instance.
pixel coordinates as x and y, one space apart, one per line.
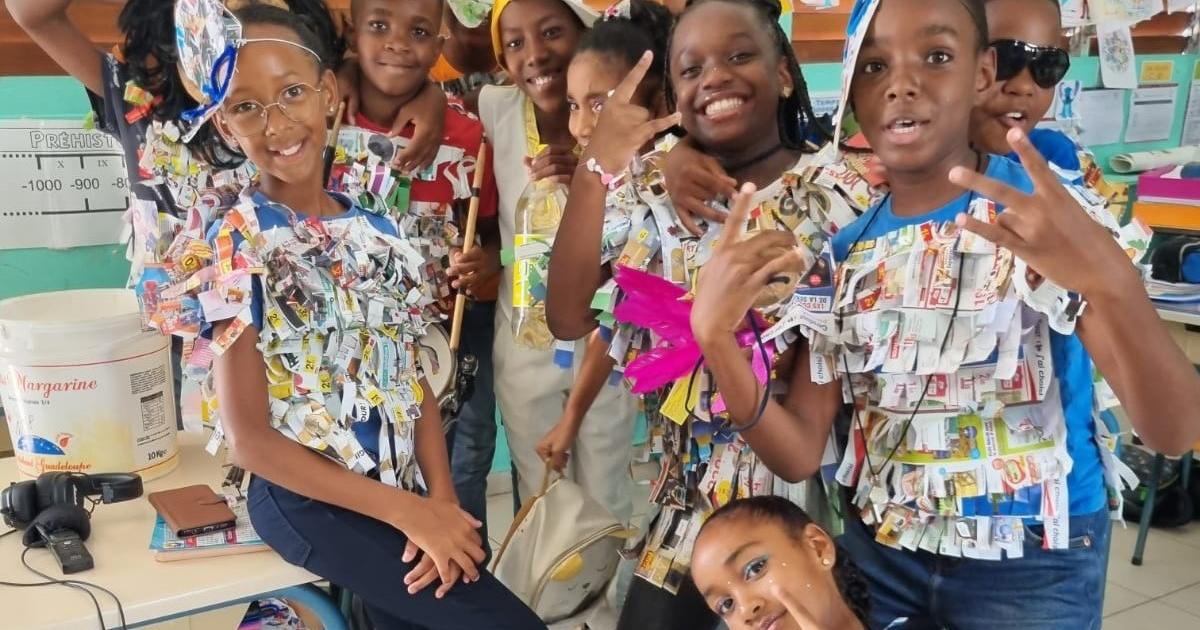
660 306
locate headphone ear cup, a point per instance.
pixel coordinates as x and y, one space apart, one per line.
20 501
58 517
54 488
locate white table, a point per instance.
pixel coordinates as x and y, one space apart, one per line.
150 591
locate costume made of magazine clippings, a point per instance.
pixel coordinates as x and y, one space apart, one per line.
340 304
942 341
655 264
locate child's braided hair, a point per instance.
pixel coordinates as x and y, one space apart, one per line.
850 581
648 27
797 121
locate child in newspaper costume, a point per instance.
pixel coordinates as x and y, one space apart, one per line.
974 433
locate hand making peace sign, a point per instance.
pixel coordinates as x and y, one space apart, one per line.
622 127
1047 228
739 270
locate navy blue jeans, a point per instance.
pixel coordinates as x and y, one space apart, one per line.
363 555
472 441
1044 590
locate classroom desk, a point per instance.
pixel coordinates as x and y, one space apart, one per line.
150 591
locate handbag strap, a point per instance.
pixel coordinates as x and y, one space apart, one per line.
549 476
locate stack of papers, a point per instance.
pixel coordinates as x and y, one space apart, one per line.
1173 291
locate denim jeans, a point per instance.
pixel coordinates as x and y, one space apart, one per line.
472 441
1044 590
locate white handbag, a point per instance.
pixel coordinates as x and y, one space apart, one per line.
561 551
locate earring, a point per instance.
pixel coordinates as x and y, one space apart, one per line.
827 562
787 92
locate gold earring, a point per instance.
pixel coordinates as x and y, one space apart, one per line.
827 562
787 92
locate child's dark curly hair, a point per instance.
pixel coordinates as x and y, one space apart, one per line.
850 582
797 121
149 53
648 27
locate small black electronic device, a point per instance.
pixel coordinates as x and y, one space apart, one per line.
51 511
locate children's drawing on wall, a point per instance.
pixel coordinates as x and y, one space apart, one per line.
1065 96
1116 56
1126 12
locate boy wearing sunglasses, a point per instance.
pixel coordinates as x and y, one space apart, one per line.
1026 36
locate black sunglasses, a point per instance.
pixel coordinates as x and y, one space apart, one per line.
1047 64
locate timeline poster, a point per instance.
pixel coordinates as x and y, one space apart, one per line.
64 186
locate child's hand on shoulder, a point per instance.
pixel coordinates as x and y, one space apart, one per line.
426 112
555 162
446 536
1047 229
693 179
623 128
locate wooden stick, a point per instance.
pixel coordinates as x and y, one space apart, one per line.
331 143
460 300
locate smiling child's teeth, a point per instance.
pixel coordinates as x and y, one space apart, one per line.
541 81
722 106
1016 116
290 151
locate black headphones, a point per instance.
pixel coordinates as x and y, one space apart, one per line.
55 501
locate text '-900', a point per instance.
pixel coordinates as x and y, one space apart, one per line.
79 183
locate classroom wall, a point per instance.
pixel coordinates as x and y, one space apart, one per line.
26 271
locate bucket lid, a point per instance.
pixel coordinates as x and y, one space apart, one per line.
111 313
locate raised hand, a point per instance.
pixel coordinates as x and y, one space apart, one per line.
1047 229
739 270
623 128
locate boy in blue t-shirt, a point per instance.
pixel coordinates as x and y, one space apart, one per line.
921 70
1026 35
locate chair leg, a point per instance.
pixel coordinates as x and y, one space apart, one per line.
1160 461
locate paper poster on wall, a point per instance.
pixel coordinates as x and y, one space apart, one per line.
64 186
1157 72
1191 118
1125 12
824 102
1180 6
1117 64
1074 13
1101 116
1151 114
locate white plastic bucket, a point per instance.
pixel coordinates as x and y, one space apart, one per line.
84 388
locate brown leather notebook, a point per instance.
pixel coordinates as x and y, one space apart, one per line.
193 510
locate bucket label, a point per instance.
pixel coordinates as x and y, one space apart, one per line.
110 416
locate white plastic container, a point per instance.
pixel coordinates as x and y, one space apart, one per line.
84 388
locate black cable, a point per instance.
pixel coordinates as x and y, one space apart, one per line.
75 584
941 351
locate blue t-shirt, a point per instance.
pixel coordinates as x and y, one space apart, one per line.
1072 365
1055 146
272 216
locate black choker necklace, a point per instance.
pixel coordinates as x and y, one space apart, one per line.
751 161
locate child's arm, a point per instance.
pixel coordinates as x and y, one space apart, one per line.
434 461
596 367
790 437
1151 376
575 271
693 179
426 112
440 528
48 25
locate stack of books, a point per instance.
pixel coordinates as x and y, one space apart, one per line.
167 547
1168 198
